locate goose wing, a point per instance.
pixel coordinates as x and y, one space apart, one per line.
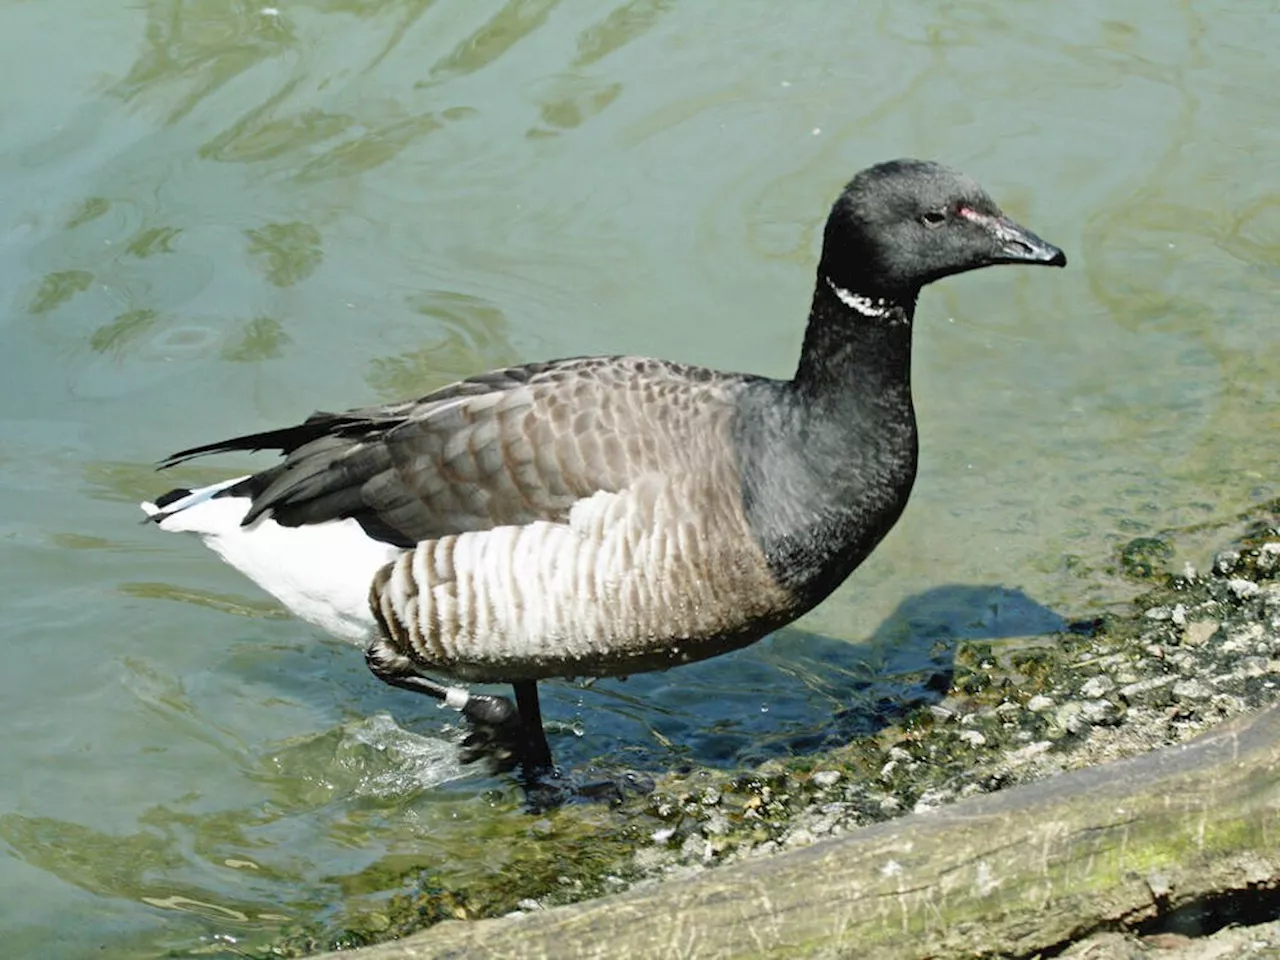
504 448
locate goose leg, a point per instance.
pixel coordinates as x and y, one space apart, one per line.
508 734
495 716
545 786
537 753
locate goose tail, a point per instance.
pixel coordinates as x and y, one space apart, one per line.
214 509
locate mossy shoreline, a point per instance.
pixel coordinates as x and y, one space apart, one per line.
1195 649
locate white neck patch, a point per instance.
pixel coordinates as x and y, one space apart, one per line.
878 308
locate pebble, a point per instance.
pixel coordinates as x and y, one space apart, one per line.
826 779
1095 687
1243 638
1030 751
1040 703
715 825
822 826
1244 589
1227 703
1198 631
1137 691
972 737
1226 561
932 799
799 838
1192 690
1069 717
1254 667
1099 712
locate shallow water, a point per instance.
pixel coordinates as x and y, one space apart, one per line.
217 216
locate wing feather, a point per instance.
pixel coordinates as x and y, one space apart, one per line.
507 447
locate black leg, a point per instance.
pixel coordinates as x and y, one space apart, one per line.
546 787
506 734
537 753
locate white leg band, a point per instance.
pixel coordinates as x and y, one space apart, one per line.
456 697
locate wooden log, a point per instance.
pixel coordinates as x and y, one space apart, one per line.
1008 874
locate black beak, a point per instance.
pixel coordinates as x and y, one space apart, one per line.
1020 245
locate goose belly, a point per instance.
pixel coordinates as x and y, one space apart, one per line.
632 582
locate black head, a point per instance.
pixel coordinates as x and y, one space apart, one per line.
905 223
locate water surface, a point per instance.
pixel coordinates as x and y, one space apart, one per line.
216 216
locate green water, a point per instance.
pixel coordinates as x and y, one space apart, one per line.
216 216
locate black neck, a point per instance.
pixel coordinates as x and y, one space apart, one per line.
834 449
856 348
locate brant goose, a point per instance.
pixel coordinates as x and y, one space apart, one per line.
601 516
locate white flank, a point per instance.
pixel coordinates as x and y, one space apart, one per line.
321 572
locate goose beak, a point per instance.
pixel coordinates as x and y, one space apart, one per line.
1020 245
1014 242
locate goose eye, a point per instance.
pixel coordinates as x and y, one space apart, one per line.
934 218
